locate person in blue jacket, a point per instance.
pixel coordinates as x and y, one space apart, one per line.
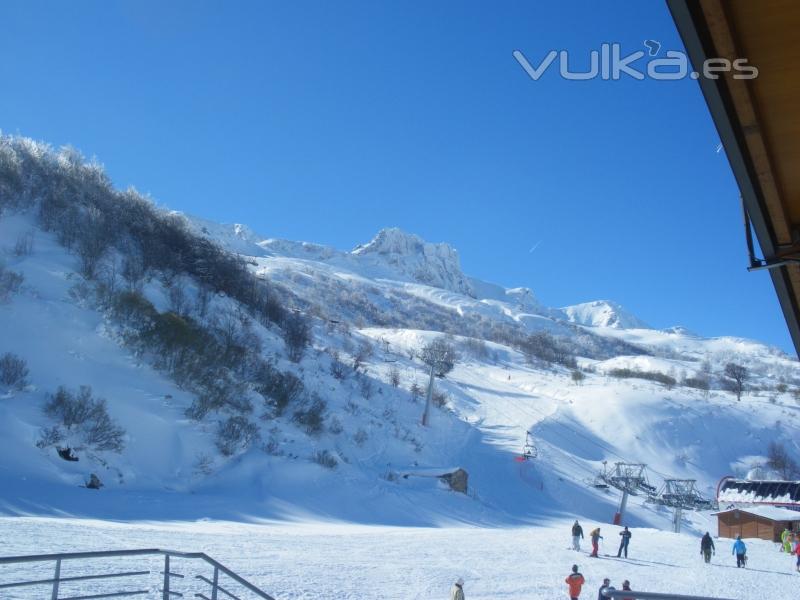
740 550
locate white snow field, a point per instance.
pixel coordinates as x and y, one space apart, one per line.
330 561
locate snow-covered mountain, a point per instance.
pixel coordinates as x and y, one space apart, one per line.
268 378
602 313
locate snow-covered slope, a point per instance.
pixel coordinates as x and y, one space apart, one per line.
370 312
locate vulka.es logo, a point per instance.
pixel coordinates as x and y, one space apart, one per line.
609 64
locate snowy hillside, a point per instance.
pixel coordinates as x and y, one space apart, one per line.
246 377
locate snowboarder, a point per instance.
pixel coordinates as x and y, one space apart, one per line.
626 586
577 536
707 547
623 542
740 550
596 537
457 593
575 582
606 587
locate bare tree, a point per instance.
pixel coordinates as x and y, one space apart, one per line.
737 376
440 355
297 335
778 459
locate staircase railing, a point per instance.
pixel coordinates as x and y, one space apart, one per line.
132 578
654 596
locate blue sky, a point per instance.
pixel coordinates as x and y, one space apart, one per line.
325 121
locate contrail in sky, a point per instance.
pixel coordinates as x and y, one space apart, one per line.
535 246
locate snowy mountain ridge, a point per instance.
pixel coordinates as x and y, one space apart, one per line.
397 254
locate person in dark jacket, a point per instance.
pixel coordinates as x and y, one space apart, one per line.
577 536
606 587
707 547
623 542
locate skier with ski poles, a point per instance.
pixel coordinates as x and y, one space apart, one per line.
577 536
596 537
623 542
707 547
575 582
740 550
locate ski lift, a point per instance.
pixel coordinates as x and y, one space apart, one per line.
529 450
601 479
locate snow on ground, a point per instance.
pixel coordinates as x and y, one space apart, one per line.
294 561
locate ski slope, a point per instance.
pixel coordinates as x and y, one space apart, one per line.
336 561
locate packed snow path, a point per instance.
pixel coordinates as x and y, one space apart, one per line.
339 561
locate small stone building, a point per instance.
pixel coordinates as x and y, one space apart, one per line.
765 522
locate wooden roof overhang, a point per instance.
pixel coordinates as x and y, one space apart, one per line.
758 121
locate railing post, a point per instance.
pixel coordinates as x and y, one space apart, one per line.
165 595
214 586
56 580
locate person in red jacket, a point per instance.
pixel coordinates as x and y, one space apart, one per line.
797 552
575 582
626 586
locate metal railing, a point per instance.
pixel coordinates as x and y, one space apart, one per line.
654 596
54 583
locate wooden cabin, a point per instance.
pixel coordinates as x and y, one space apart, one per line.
765 522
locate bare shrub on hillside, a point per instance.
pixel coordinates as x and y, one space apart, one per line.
87 415
13 371
10 283
24 244
234 434
325 459
311 417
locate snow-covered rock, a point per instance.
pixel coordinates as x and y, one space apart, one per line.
602 313
409 255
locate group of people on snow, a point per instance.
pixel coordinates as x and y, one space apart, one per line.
575 582
790 543
577 536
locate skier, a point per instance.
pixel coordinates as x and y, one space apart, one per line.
457 593
577 535
623 542
575 582
606 587
596 537
707 547
740 550
626 586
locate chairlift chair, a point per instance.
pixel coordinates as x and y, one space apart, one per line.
529 450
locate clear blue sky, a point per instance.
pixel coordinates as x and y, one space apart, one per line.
325 121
